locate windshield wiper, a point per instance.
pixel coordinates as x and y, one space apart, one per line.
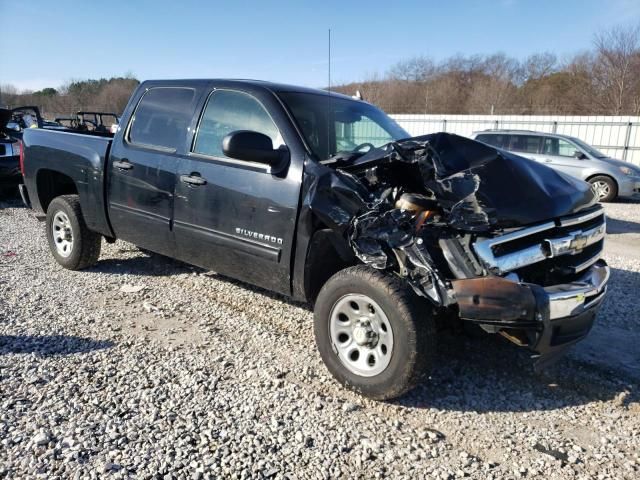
342 157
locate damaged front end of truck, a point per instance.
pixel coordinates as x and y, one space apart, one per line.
500 240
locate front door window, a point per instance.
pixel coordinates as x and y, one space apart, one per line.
228 111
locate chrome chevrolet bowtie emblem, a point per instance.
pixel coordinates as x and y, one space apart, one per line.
578 242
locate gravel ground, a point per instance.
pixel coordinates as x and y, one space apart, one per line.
197 376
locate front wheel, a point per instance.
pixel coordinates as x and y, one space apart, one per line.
604 187
372 334
71 242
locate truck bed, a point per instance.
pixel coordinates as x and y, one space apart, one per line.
75 157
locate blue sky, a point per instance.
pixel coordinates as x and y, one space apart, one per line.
50 42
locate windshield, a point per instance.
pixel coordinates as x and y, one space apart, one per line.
333 125
588 148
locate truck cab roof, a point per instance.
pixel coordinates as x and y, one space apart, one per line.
246 83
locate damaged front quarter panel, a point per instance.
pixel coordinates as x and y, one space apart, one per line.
360 207
392 205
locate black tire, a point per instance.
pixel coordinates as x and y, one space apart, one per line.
86 244
611 186
412 322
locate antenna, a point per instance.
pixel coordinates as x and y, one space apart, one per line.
329 102
329 61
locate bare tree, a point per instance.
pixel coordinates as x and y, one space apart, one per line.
616 68
416 69
539 65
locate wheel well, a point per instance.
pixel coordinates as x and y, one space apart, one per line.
52 184
326 256
603 175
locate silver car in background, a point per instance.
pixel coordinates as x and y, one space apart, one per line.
609 177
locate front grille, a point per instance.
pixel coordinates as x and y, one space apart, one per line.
3 150
562 247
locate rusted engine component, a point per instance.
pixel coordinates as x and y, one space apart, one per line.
415 203
494 299
519 337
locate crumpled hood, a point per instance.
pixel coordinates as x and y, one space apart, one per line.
480 187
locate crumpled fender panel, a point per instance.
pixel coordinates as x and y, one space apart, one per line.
477 188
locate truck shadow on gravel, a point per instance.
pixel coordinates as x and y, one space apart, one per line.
50 345
145 264
615 226
10 201
635 199
491 375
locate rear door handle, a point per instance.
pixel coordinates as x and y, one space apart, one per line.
123 164
548 160
194 179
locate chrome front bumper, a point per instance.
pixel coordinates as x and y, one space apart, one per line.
573 298
572 310
547 320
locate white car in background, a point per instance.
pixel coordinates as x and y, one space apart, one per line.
609 177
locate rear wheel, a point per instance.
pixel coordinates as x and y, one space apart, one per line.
372 333
604 187
72 244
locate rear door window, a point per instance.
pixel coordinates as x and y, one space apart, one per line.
227 111
162 117
495 140
525 143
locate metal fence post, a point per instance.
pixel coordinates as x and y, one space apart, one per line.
627 139
554 128
444 124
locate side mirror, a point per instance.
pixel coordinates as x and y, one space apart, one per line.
251 146
579 155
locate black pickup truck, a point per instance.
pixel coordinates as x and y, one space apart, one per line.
324 198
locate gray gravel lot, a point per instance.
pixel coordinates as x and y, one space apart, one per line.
197 376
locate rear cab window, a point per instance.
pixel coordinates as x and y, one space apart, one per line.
162 117
227 111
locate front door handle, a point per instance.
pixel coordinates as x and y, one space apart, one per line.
548 160
123 164
193 179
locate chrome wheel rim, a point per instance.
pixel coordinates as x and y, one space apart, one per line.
62 234
601 188
361 335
